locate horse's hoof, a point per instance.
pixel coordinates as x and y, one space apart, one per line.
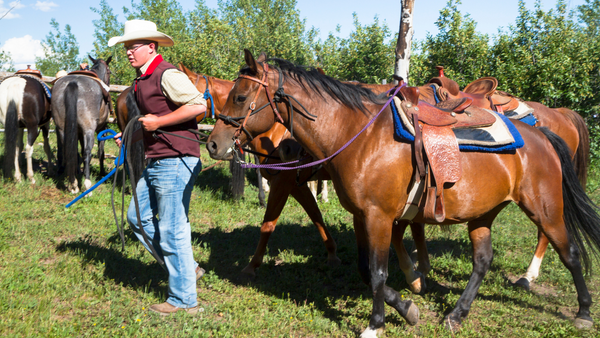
418 286
412 315
32 181
583 324
334 261
451 324
523 283
248 273
370 333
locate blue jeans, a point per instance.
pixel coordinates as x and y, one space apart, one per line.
163 193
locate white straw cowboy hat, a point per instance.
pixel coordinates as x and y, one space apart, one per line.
141 30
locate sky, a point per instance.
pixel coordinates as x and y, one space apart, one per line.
24 24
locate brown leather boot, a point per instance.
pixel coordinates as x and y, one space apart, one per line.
166 309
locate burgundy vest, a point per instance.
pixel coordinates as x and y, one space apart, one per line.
151 100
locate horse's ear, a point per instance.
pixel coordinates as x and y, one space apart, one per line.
262 57
320 70
108 60
250 61
91 58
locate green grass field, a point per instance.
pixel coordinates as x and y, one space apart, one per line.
63 273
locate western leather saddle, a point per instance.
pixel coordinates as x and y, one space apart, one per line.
482 91
435 147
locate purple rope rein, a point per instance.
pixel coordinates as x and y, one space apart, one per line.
277 166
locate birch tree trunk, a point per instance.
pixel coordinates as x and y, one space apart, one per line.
404 43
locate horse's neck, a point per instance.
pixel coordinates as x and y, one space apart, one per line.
222 89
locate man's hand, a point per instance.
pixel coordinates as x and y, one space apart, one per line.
117 138
150 122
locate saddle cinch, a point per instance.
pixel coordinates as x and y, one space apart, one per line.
435 138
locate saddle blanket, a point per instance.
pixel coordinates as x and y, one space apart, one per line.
523 113
47 89
501 136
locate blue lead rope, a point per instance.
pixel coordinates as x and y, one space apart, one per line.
118 162
207 96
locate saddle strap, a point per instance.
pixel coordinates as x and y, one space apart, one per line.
443 156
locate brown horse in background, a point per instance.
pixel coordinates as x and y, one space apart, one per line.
24 103
373 175
564 122
283 183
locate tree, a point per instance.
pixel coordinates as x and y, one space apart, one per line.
545 58
61 51
404 41
458 47
6 62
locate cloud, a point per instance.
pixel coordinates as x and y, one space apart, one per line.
23 50
44 6
8 12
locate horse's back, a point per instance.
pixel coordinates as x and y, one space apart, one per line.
557 122
90 101
11 89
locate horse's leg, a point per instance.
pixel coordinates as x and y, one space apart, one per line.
280 191
47 149
415 280
306 199
101 158
322 187
32 134
418 234
373 238
60 138
88 144
312 185
18 149
533 270
481 239
265 184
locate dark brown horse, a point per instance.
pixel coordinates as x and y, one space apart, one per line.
80 108
546 190
24 103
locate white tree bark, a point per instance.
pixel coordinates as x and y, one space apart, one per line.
404 43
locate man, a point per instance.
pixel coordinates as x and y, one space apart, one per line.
168 101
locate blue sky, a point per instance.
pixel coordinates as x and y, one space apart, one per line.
27 24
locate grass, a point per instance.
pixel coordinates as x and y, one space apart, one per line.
63 274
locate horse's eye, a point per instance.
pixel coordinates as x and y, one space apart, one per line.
241 98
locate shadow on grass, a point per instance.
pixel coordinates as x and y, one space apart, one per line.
128 272
294 269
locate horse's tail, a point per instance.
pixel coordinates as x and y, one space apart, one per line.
70 157
580 213
582 155
11 131
137 149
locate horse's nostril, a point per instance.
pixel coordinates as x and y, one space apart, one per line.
211 147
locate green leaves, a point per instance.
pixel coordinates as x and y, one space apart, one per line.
61 51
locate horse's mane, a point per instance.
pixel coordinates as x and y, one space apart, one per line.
309 78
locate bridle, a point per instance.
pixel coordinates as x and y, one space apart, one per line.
272 101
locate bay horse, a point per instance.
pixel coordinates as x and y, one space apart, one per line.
80 108
547 191
283 183
564 122
24 103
